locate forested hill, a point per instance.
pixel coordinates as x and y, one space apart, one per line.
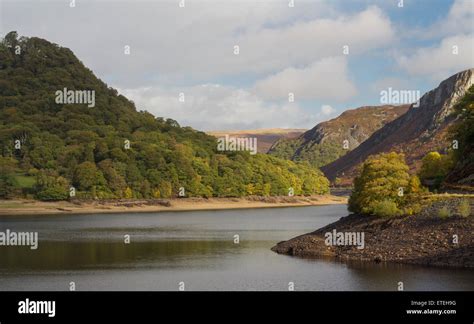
108 149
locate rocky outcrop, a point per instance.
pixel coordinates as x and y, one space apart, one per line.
354 125
422 239
330 139
421 130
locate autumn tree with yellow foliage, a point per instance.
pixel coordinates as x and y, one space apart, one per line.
383 185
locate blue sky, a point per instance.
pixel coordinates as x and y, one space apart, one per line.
282 50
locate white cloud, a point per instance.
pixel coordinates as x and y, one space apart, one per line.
439 62
327 110
457 21
187 49
172 45
460 19
325 80
216 107
391 82
302 43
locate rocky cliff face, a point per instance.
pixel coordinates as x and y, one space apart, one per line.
331 139
420 130
355 125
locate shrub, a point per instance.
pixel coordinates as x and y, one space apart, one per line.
385 208
413 208
156 193
464 208
444 212
32 172
52 194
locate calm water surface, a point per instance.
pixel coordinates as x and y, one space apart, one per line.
196 248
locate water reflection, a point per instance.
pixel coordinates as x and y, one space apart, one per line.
198 248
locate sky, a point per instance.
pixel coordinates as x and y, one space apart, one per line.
249 64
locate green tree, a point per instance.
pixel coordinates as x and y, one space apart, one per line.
49 186
7 186
115 182
166 190
435 167
87 176
11 39
461 135
7 168
383 178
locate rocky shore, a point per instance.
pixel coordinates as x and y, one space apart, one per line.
425 239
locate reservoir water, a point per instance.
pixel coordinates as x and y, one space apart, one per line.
196 248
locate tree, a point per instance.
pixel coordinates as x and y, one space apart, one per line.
116 183
11 39
250 188
435 168
382 182
87 176
51 187
414 185
52 193
128 193
165 189
7 186
156 193
461 135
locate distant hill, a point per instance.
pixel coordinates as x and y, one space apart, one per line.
52 140
421 130
329 140
265 137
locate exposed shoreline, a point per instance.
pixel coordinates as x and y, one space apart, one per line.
424 239
34 207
